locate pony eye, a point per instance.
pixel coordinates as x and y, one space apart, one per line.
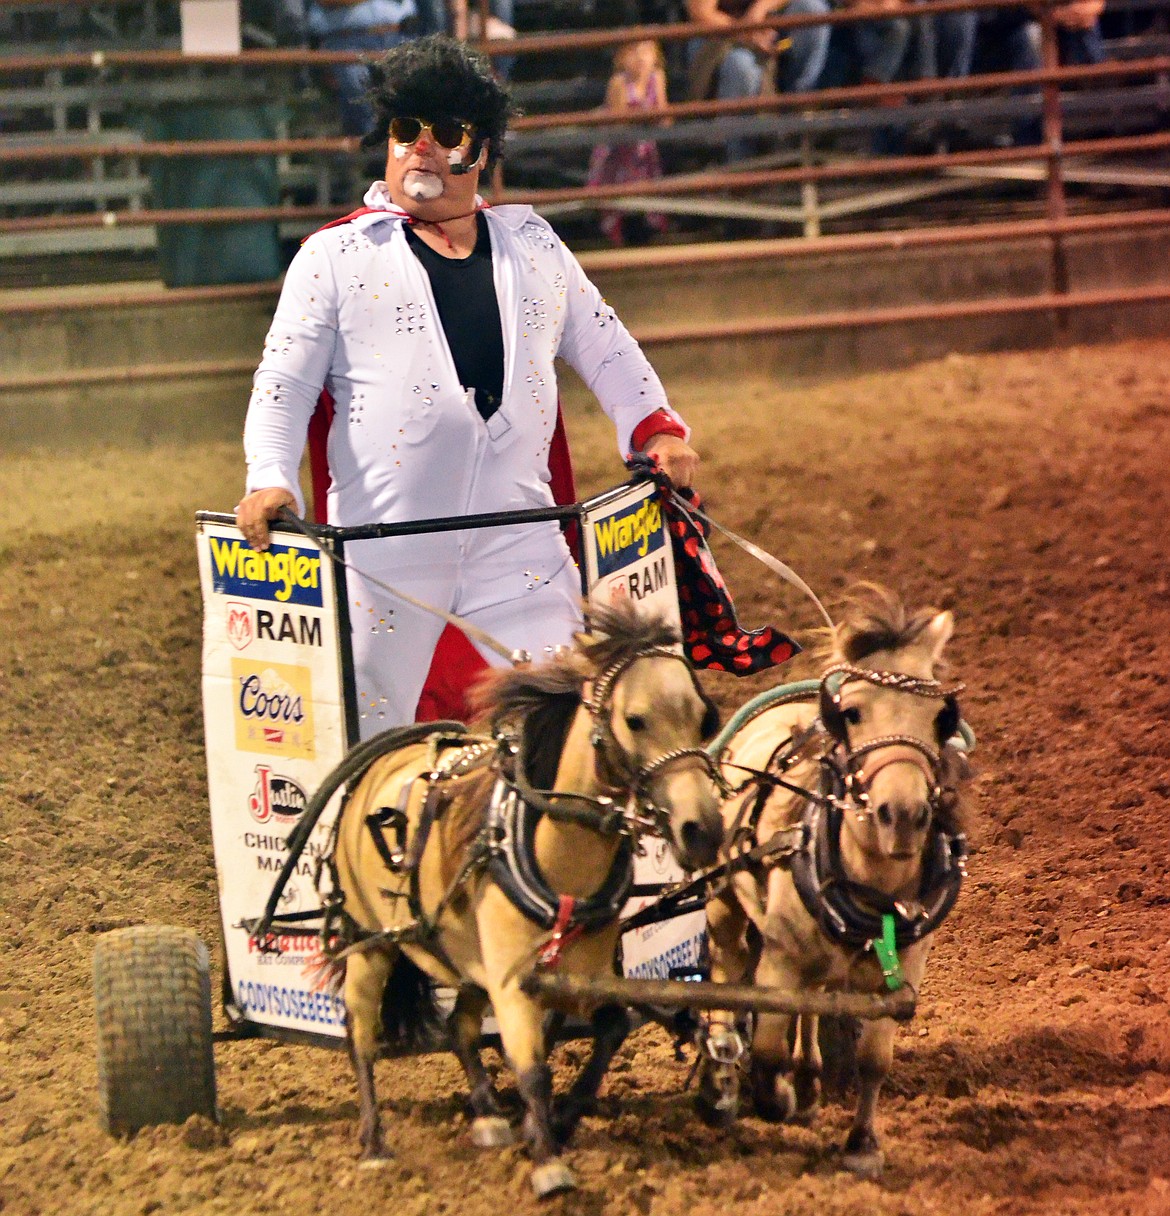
635 722
852 715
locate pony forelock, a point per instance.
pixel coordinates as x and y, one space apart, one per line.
873 618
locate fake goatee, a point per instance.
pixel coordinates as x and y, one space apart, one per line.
422 187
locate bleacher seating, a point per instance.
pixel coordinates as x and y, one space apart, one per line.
93 107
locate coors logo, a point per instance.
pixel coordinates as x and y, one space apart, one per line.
275 797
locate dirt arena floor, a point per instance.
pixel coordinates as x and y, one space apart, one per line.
1027 492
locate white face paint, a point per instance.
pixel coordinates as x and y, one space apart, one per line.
421 186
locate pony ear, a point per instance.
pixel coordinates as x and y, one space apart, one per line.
937 634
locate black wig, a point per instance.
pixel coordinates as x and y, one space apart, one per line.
438 77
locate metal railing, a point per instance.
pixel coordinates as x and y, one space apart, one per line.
1054 163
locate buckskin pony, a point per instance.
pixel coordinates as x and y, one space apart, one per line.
481 858
862 870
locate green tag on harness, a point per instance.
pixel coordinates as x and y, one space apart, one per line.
886 949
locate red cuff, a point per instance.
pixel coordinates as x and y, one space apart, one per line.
658 423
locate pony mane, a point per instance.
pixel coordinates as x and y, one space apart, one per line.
873 618
542 700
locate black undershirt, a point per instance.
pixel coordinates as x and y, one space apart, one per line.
465 294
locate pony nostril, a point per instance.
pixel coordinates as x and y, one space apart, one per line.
884 816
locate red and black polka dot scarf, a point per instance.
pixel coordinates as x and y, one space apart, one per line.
712 635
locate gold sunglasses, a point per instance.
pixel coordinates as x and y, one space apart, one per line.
448 133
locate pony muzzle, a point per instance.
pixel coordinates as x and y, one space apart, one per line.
697 830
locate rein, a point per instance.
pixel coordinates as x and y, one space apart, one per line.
849 912
473 631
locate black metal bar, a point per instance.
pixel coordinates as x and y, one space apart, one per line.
449 523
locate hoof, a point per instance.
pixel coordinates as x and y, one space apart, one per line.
720 1115
492 1131
552 1178
374 1161
866 1164
773 1097
717 1101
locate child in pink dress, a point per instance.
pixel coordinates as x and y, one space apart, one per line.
638 83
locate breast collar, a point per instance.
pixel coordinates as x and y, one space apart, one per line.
511 833
850 913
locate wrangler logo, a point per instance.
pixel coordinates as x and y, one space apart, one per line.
628 535
282 572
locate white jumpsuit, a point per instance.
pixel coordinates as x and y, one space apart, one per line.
357 317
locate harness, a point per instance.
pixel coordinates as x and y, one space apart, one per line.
511 832
505 846
852 914
516 808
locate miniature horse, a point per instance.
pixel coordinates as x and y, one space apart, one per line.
880 861
489 875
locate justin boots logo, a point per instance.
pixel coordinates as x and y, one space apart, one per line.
275 797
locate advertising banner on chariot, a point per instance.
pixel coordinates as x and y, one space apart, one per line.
628 557
275 726
627 552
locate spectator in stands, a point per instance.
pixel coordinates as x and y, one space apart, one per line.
638 83
750 64
1010 40
465 24
432 18
903 45
358 25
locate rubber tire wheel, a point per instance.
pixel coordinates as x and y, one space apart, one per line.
152 997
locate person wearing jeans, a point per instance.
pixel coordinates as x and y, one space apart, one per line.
740 66
367 25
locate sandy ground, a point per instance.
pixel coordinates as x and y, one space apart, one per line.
1028 492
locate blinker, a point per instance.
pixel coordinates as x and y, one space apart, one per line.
831 714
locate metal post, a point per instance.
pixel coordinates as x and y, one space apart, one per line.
1054 152
808 192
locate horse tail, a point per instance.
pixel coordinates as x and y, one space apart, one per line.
411 1018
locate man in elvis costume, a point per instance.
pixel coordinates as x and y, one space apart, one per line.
427 325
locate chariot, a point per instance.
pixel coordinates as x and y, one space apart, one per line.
280 717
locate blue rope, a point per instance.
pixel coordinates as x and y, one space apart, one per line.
800 690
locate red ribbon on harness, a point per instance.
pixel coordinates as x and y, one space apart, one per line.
563 932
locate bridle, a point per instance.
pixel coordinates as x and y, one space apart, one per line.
845 765
612 763
627 807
